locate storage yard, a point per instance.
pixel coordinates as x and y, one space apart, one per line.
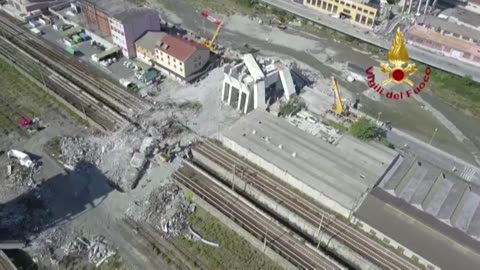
152 128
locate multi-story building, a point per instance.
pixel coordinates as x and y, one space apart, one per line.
97 13
463 17
145 46
359 12
446 38
180 57
26 6
127 26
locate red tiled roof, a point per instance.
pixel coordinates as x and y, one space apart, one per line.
179 48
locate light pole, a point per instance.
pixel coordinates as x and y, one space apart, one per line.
433 135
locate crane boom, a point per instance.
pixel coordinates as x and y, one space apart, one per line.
210 43
339 109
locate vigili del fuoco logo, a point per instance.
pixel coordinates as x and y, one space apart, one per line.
398 70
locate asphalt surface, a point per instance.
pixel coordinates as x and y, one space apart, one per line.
441 62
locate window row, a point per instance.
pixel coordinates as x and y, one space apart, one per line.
328 6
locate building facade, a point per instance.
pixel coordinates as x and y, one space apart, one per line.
358 13
181 57
96 17
145 46
126 27
447 45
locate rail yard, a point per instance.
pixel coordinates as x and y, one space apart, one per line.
193 155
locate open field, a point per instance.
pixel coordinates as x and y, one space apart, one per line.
234 252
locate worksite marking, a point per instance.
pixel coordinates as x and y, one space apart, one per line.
398 57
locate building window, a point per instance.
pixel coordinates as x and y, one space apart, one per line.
324 5
360 9
336 1
319 3
354 7
371 13
357 17
369 21
363 20
181 69
348 5
334 9
174 60
342 3
329 7
168 56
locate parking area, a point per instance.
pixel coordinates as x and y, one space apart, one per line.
120 69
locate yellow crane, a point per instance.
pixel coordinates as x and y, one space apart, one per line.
338 107
211 43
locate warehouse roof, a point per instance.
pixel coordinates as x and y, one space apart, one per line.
179 48
344 172
437 193
463 15
436 242
132 14
438 23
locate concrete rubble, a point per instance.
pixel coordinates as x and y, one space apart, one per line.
166 208
125 156
97 250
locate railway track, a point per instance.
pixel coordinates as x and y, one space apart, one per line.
103 117
257 223
80 74
312 213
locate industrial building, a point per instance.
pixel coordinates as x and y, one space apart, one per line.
428 210
338 176
127 26
250 84
359 12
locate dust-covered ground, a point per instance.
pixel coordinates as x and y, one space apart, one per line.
98 178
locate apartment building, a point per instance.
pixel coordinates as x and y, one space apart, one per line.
180 57
359 13
97 13
446 38
145 46
129 25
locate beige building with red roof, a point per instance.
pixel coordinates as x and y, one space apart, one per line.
180 57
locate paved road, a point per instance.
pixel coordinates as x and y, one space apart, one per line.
447 64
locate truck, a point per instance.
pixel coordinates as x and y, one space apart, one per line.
84 36
77 39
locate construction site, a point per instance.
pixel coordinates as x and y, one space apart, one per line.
180 152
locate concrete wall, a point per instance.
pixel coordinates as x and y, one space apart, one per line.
196 62
289 179
331 244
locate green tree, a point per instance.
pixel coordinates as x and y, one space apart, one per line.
364 129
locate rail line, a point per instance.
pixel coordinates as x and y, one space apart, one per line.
50 55
258 224
103 117
312 213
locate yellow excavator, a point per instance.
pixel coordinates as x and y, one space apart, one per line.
211 43
338 108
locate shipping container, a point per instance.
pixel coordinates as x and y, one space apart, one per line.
77 39
71 50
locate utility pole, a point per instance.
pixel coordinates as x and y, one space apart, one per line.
265 240
419 7
433 135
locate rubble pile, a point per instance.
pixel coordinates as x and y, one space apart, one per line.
97 250
166 209
124 156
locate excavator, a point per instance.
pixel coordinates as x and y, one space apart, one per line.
211 43
338 108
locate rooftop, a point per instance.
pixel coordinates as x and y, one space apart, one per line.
343 172
432 241
463 15
110 7
131 14
150 39
438 193
452 42
179 48
435 22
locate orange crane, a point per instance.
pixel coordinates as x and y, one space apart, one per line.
211 43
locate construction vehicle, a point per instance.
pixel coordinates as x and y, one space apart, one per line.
339 109
211 43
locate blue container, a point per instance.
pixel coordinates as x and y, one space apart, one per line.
85 37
